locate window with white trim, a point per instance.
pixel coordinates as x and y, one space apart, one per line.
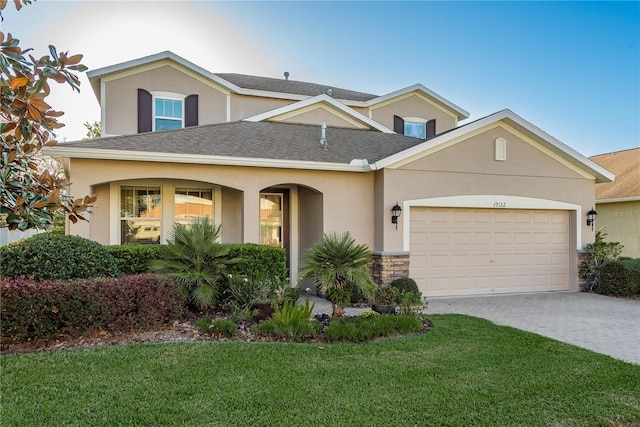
192 203
415 129
168 113
140 214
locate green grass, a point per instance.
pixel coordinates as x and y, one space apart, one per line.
464 372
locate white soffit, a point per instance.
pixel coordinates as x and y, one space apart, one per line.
509 117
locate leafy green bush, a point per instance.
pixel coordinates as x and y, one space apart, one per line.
219 327
619 278
242 292
133 258
56 256
405 284
258 261
45 309
363 329
598 254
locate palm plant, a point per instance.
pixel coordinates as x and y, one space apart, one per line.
195 260
339 266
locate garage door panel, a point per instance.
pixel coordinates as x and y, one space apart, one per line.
475 251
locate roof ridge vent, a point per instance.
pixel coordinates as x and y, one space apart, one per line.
286 75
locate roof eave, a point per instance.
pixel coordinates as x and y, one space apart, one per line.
143 156
599 173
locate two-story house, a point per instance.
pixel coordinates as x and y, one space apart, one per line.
496 205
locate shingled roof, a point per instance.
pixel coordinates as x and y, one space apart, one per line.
626 166
257 140
291 86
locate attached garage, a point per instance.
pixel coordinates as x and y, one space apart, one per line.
471 251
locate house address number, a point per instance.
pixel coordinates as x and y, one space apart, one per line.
500 205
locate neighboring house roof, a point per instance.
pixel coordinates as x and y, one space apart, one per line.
266 144
508 117
626 165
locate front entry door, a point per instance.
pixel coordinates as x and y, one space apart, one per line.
274 230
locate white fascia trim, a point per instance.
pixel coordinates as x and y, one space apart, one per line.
619 200
100 72
487 201
323 98
601 174
141 156
461 113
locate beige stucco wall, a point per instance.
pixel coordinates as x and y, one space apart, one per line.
321 115
243 106
621 222
469 168
121 97
346 197
413 105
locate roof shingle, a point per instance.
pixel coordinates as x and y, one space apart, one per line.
626 167
260 140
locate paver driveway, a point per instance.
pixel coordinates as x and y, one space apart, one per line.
603 324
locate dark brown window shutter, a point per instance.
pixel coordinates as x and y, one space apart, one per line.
398 125
431 128
191 110
145 121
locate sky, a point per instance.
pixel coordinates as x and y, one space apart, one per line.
570 68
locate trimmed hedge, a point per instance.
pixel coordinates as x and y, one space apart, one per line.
133 258
257 261
405 284
33 310
620 278
56 256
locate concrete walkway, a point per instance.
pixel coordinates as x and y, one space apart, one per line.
602 324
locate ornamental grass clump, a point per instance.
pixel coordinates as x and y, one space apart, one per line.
339 266
291 321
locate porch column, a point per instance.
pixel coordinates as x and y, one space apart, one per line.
251 216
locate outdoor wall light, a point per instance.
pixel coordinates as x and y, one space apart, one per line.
395 213
591 218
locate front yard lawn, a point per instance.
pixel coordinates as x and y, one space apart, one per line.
464 372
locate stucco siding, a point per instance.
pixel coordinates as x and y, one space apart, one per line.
346 197
320 115
243 106
621 222
121 100
413 106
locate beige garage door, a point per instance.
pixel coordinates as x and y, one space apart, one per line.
456 251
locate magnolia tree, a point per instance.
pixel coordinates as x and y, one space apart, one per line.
31 195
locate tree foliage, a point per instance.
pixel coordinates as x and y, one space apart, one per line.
29 196
94 130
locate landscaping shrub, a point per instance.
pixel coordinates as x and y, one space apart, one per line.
218 327
362 329
598 254
619 278
132 258
405 284
32 310
292 321
258 261
56 256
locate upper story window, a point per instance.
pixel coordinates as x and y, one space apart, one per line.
168 113
415 129
166 110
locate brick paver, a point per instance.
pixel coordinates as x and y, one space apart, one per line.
602 324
